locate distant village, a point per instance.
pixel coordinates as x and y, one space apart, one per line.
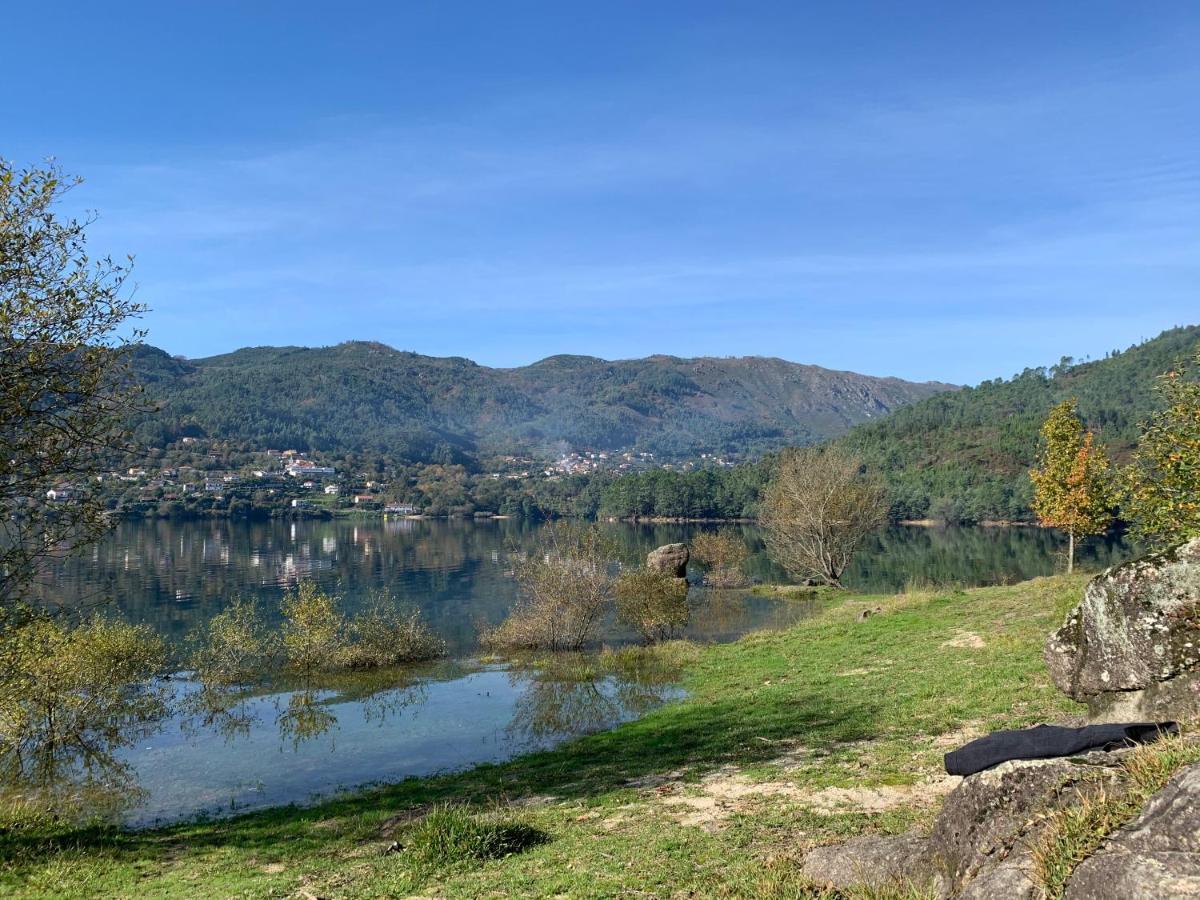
200 476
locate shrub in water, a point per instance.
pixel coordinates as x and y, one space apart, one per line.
236 646
71 695
723 554
312 628
566 584
654 603
385 635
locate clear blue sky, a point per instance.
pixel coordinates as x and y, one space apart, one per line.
946 191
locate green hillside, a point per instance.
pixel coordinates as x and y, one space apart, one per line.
966 454
369 397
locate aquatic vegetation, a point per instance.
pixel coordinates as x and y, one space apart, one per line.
71 695
655 603
386 636
237 647
723 554
566 585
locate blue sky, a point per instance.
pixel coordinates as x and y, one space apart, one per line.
936 191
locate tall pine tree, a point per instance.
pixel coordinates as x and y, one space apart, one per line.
1071 484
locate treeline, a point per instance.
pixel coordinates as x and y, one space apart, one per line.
709 494
961 456
965 456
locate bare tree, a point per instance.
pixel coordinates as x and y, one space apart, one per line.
817 510
65 394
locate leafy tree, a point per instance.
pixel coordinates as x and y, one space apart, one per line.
64 390
817 511
1163 482
1071 484
72 695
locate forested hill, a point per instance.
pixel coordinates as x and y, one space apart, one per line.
966 454
367 396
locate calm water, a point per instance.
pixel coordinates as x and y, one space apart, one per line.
234 754
291 743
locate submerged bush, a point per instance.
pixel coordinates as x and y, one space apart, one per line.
314 629
385 635
450 835
723 555
655 603
566 585
316 636
236 646
71 695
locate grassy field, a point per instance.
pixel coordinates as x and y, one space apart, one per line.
788 739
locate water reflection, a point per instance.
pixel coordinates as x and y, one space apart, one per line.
177 575
228 749
224 748
576 694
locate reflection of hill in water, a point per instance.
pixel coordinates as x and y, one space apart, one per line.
175 575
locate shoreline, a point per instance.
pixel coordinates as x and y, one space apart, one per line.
833 703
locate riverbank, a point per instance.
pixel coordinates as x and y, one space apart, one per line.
787 739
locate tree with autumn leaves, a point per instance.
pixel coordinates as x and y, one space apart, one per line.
1072 484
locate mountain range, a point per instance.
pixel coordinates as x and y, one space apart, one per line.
363 396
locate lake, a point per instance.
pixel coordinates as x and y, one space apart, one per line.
294 742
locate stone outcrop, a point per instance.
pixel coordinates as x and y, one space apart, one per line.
988 822
876 862
980 843
1131 648
1158 855
670 559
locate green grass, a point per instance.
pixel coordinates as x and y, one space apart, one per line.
849 704
450 835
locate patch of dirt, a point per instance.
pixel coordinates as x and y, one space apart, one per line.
656 780
965 640
880 799
724 793
959 736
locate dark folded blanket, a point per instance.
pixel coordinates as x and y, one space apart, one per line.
1047 741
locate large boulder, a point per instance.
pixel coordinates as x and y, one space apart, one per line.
980 845
876 862
989 821
1131 649
670 559
1158 855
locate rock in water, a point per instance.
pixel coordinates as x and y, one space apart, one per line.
671 559
1156 856
1131 649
